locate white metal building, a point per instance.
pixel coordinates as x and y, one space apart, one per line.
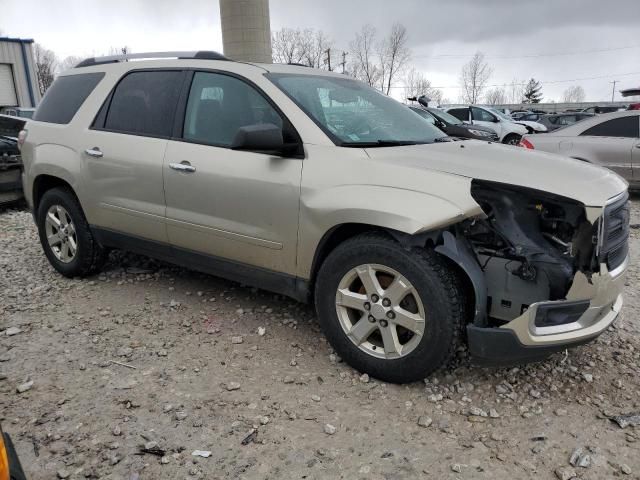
18 81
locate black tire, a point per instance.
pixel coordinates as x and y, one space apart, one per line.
512 139
439 290
90 255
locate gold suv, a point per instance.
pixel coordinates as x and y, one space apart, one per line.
313 185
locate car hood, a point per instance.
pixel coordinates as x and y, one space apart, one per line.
538 127
584 182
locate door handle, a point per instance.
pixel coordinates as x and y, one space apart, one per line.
93 152
183 167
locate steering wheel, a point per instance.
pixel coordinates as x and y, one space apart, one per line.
360 126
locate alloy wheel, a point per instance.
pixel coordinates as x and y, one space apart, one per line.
380 311
61 233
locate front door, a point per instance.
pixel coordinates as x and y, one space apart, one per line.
486 119
228 204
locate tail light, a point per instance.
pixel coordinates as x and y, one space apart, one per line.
634 106
22 137
526 144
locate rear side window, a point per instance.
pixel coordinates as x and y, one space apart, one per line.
144 103
65 97
628 127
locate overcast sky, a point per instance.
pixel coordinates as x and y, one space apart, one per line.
554 41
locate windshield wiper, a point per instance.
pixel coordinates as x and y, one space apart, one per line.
382 143
443 140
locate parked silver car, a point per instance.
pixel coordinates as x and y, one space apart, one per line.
611 140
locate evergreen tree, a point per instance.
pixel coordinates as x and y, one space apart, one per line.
532 92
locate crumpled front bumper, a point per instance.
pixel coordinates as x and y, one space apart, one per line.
521 340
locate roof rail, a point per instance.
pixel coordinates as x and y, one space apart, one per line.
199 55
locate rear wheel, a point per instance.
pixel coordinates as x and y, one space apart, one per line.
392 313
65 235
512 139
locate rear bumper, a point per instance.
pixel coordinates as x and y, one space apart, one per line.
521 340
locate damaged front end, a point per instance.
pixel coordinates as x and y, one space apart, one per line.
546 270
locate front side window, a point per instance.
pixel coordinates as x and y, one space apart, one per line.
445 117
144 103
567 120
482 115
219 105
628 127
353 114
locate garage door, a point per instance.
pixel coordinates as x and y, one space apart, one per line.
7 87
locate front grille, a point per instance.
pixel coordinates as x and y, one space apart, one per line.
615 233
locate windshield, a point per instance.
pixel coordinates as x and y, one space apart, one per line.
446 117
503 116
354 114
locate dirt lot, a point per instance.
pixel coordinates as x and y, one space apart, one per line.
149 356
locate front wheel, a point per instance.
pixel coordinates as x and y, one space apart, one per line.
512 139
392 313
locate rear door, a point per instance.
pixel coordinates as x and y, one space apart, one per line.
231 205
124 152
611 144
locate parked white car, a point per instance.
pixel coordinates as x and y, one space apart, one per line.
509 131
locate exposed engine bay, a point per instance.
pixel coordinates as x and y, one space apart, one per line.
529 246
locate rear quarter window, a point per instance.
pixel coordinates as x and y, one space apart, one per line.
66 96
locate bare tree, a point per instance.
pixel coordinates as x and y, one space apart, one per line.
393 55
119 50
416 85
287 46
308 47
363 64
317 46
574 94
515 91
46 63
474 77
496 96
68 63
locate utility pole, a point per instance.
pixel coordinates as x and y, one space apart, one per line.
344 61
328 60
613 90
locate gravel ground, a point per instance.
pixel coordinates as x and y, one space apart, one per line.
125 375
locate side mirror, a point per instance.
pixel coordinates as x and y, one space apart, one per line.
264 136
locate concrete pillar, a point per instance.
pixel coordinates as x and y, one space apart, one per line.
246 32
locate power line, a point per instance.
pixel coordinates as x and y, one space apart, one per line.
532 55
541 81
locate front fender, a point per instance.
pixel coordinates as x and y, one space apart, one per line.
402 210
